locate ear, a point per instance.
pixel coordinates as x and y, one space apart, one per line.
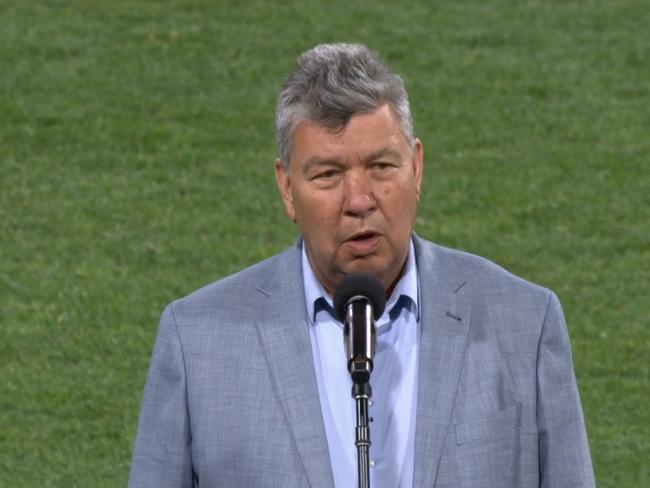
283 179
418 166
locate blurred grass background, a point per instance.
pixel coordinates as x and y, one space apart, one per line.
136 152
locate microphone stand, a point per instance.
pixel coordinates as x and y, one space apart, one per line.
360 299
359 332
362 392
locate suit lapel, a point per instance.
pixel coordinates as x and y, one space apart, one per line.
283 331
444 324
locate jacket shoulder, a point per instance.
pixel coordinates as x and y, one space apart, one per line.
480 278
230 295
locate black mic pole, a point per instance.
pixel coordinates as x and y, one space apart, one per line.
359 335
358 300
362 394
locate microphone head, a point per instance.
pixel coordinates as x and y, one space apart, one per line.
359 284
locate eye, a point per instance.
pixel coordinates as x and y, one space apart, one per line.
382 166
326 174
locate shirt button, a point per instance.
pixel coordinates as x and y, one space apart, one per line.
372 463
370 403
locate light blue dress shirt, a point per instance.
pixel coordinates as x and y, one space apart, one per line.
393 381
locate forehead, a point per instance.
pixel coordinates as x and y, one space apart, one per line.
363 134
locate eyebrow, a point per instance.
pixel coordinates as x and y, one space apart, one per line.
383 152
322 161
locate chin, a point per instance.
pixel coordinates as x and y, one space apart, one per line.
368 265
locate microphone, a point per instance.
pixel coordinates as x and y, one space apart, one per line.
359 299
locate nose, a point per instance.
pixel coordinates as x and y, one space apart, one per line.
359 199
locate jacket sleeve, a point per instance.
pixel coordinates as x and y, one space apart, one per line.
564 458
162 453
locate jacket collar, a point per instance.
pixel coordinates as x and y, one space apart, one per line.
282 326
444 330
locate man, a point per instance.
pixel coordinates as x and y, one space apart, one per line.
473 381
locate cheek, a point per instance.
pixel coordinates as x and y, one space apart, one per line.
400 206
310 211
317 215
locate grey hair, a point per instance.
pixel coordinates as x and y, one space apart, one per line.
334 82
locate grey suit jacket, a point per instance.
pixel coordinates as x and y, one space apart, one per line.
231 398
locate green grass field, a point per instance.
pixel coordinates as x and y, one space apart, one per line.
136 149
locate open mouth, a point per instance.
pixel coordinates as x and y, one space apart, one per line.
363 243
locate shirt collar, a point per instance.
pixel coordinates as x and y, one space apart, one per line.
406 291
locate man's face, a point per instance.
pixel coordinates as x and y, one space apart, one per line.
354 195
